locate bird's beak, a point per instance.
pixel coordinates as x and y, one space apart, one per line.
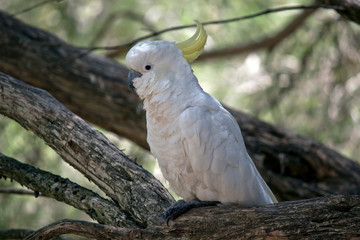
131 76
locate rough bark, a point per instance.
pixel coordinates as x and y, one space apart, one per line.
137 192
286 160
102 210
334 217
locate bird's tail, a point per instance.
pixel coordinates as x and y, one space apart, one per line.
272 196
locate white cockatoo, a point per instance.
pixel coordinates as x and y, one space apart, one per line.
196 141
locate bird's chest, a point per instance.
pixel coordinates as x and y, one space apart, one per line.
165 141
164 137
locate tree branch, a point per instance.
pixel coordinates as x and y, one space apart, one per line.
349 9
265 43
123 48
137 192
63 190
82 228
334 217
22 233
286 160
33 7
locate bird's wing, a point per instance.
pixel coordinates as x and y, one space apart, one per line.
215 149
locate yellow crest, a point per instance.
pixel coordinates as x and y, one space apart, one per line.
194 46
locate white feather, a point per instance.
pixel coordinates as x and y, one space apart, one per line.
197 142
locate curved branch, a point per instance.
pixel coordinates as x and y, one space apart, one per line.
123 48
265 43
16 233
137 192
63 190
334 217
82 228
32 7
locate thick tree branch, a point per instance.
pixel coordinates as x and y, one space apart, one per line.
334 217
285 159
63 190
137 192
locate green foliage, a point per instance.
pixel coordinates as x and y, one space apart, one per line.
308 83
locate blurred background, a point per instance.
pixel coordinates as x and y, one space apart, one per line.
308 82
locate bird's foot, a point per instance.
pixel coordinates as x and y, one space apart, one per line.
181 207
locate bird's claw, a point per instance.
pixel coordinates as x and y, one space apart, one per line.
180 207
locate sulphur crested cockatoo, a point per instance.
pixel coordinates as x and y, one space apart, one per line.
196 141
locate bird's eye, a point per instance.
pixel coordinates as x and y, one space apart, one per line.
147 67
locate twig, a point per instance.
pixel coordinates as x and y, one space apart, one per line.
157 33
114 16
32 7
20 191
265 43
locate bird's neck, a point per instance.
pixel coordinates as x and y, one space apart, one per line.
175 97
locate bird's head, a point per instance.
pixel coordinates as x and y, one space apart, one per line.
154 66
